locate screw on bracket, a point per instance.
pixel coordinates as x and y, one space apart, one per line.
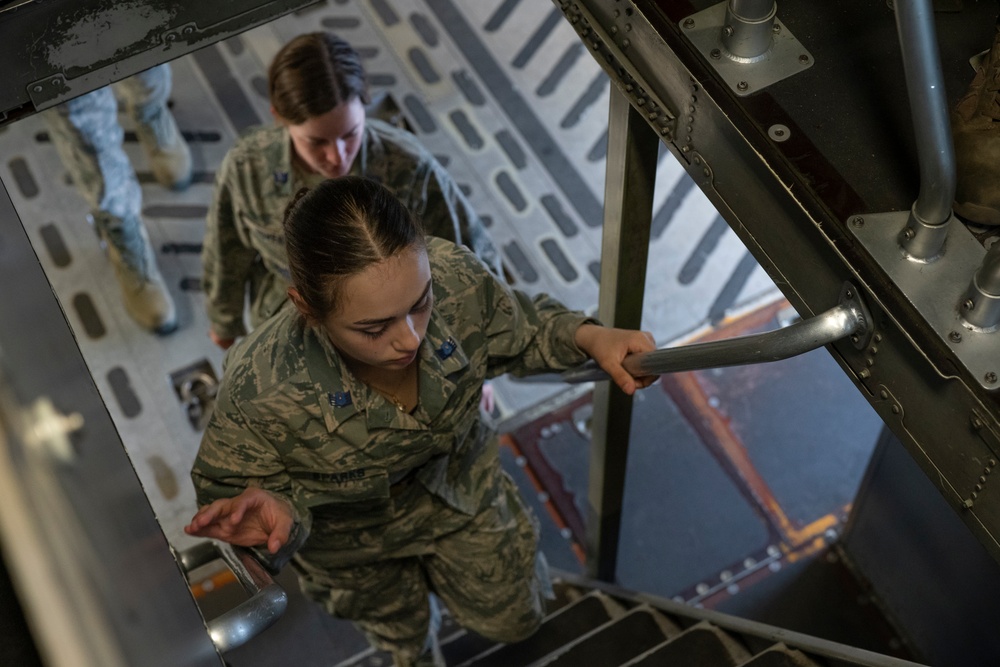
688 23
858 221
955 337
742 85
991 378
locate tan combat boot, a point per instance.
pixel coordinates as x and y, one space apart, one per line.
975 124
168 153
144 291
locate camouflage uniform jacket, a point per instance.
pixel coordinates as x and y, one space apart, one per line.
293 420
244 242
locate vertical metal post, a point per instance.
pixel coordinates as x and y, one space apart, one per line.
923 238
628 212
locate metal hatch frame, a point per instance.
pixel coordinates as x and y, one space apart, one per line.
937 408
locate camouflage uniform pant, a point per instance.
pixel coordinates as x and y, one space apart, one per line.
488 574
89 139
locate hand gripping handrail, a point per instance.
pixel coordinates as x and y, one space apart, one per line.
267 600
849 318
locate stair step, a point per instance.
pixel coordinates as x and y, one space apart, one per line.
701 645
558 629
780 655
617 641
459 645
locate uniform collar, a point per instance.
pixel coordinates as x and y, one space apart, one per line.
342 396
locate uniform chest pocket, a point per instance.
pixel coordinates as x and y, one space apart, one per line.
355 497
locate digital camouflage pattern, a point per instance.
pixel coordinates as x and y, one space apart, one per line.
386 500
89 139
244 241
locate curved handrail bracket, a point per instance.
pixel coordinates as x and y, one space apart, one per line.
850 318
267 602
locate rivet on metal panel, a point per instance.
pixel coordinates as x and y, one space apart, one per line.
779 132
804 58
626 43
884 394
873 350
614 30
895 410
716 53
878 338
865 374
688 23
967 504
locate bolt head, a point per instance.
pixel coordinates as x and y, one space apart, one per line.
688 23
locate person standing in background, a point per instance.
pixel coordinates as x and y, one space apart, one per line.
89 139
318 91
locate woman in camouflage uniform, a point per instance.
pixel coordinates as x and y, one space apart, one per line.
318 92
347 432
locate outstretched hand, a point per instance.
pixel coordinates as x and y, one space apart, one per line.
609 347
250 519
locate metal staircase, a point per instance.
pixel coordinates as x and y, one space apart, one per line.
596 625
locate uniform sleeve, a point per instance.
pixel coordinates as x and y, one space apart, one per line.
448 214
236 454
227 262
523 335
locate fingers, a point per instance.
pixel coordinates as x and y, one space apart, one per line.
279 536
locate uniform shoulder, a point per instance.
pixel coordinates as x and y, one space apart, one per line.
270 356
257 142
454 266
397 140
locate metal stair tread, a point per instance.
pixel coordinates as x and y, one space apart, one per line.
615 642
558 629
703 644
780 655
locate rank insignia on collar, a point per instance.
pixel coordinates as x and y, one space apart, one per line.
339 399
281 177
447 348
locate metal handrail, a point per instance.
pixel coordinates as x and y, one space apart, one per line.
849 318
267 602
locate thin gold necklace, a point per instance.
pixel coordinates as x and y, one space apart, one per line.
391 394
